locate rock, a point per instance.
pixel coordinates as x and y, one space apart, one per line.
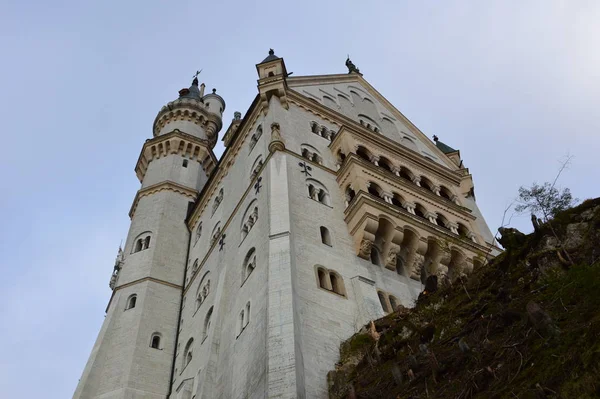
511 238
540 319
589 214
549 242
575 235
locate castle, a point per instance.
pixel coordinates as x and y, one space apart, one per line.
240 276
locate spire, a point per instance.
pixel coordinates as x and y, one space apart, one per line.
270 57
193 91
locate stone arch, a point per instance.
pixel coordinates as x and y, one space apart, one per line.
398 200
426 183
386 164
374 189
409 143
364 153
442 221
421 211
329 102
407 174
389 126
446 193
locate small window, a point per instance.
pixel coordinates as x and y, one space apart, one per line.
155 342
322 279
394 302
138 245
335 283
185 163
325 236
147 242
383 301
131 302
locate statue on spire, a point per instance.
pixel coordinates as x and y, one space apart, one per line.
351 67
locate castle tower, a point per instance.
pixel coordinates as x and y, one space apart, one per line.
328 209
133 354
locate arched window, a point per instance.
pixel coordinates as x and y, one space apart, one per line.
442 221
218 200
464 232
383 301
311 153
203 290
420 211
249 264
323 280
375 190
426 183
255 137
364 153
207 323
330 280
446 193
394 302
198 231
314 127
398 200
258 163
317 191
385 164
216 233
187 353
249 219
142 242
337 284
325 236
405 173
368 122
155 341
131 301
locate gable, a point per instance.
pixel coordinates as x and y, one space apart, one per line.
356 100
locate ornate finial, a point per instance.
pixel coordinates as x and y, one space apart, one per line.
435 138
237 115
351 67
271 51
195 81
214 91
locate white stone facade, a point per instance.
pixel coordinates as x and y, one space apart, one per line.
249 295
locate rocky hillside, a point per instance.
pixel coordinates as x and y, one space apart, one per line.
527 325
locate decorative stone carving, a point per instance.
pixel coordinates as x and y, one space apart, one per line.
390 262
276 139
365 249
410 207
417 180
417 265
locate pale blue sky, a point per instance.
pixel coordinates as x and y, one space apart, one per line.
514 85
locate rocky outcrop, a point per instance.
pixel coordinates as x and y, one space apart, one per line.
526 325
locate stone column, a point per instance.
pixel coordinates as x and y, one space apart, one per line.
453 227
375 160
410 207
436 189
432 216
387 197
417 180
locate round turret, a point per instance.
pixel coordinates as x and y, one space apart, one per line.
214 103
193 114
